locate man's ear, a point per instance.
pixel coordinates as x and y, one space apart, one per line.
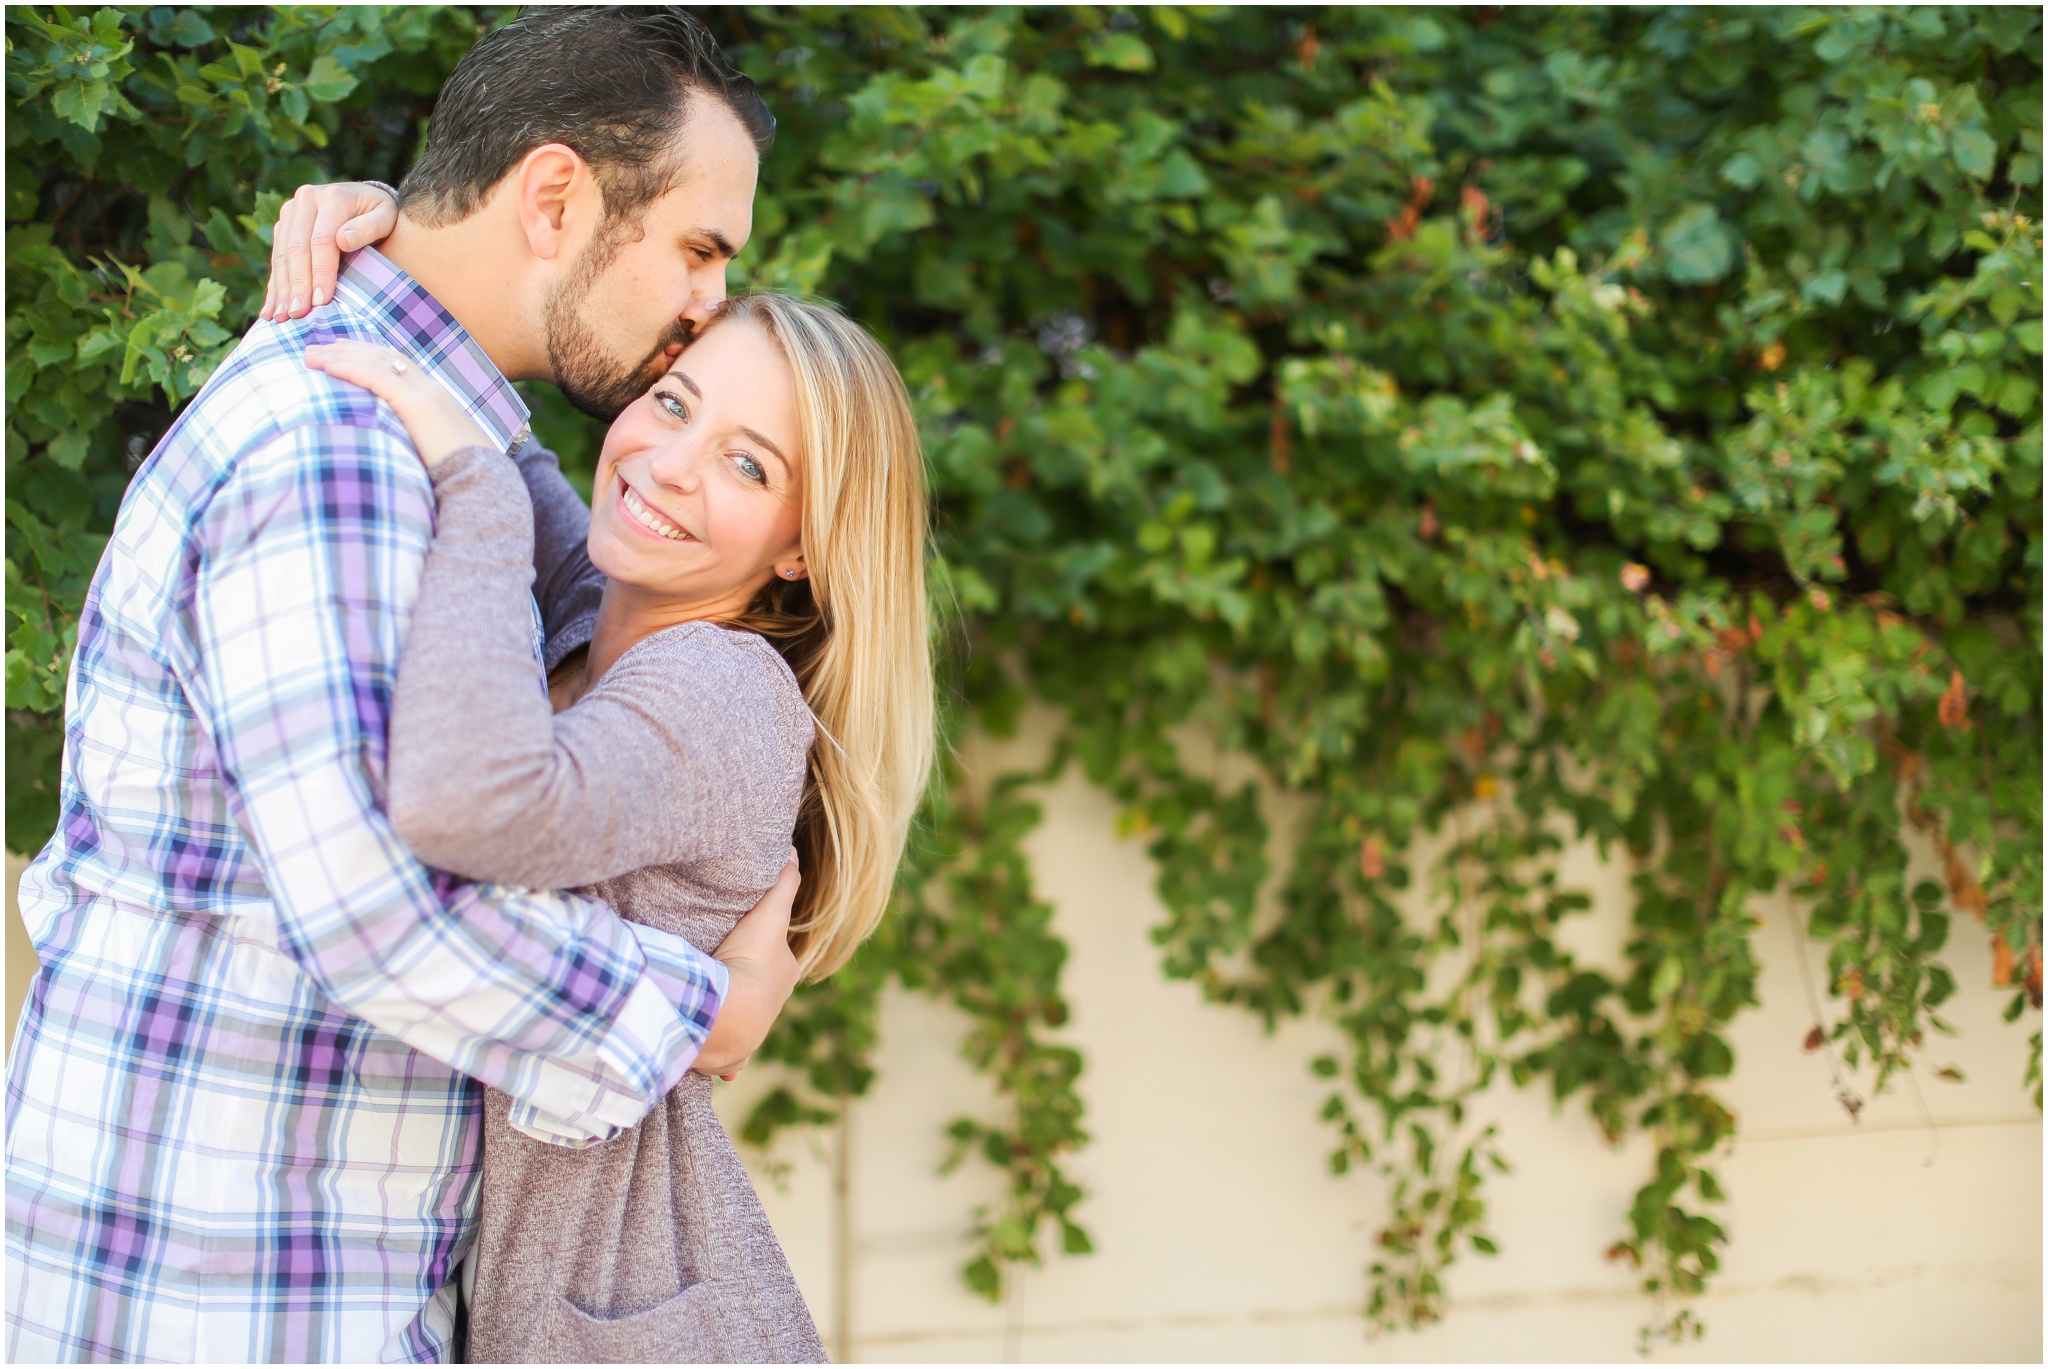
557 199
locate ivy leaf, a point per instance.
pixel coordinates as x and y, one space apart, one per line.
70 449
1122 51
1742 170
82 102
328 80
1698 248
188 29
1180 177
1974 152
981 1276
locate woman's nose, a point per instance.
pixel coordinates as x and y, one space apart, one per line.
676 464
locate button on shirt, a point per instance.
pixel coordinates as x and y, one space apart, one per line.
242 1108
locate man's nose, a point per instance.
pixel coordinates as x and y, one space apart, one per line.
707 292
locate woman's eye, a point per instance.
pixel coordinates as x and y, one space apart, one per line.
673 406
750 468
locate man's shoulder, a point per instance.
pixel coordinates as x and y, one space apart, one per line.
264 390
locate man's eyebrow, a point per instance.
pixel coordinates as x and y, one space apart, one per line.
766 443
721 245
688 384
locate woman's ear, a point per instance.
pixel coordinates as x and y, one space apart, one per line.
792 570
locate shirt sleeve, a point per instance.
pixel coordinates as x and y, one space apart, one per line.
304 569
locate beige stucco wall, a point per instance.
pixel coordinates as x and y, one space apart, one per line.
21 955
1221 1236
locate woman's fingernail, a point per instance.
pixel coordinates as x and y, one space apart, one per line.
319 297
346 239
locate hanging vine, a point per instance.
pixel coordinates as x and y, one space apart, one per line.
1501 427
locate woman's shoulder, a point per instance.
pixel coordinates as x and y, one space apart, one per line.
738 674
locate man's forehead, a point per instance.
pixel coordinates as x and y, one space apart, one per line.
714 199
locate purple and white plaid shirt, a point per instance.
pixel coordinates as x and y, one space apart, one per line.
242 1108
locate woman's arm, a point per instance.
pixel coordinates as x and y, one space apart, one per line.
694 739
682 750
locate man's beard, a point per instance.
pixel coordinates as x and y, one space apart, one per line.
587 375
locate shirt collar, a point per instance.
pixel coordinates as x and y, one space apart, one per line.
416 323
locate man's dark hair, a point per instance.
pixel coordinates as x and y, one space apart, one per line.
606 80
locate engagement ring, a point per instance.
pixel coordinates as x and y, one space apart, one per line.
398 368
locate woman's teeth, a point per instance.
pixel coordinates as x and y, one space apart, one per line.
652 521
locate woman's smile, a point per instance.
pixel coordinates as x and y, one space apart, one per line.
643 515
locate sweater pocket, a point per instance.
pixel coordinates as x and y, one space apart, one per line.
697 1326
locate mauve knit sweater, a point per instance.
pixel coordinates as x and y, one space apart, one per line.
670 790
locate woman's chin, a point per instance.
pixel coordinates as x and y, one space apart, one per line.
635 562
612 554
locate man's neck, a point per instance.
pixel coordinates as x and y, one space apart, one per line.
467 270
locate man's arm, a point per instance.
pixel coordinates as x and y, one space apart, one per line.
567 587
307 563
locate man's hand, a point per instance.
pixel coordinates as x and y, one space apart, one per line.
763 974
314 227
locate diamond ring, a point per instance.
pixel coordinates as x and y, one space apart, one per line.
398 368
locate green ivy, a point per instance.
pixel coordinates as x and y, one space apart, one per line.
1527 425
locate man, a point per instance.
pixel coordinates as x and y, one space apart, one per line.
242 1109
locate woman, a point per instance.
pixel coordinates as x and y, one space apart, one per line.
749 577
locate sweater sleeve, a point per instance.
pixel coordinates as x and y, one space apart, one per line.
682 748
568 588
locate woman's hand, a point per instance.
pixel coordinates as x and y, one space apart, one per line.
314 227
761 974
436 423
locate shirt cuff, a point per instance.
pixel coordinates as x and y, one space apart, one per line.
695 982
692 987
530 1121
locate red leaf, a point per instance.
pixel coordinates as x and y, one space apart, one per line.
1955 704
1401 227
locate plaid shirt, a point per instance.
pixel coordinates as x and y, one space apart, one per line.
242 1109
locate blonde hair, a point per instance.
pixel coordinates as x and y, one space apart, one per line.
855 632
